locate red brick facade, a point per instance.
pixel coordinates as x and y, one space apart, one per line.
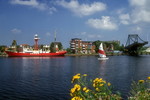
79 46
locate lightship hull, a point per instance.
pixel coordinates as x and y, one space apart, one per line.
19 54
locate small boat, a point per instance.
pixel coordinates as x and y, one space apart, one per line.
102 54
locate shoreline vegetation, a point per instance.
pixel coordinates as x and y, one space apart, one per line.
100 89
108 54
95 54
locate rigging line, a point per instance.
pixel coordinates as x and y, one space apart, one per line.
141 39
148 37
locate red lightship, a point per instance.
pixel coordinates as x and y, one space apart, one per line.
36 52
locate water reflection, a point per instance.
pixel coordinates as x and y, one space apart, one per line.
102 68
48 78
40 57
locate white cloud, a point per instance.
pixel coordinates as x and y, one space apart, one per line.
136 30
125 18
83 33
82 9
120 11
89 36
141 10
137 2
94 36
16 31
25 2
34 4
140 15
104 23
48 34
52 9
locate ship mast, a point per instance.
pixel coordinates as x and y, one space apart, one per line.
55 36
36 38
55 43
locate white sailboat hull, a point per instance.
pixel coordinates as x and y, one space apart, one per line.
104 58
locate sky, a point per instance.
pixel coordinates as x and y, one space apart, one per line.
90 20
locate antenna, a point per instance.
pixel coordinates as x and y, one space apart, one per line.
55 36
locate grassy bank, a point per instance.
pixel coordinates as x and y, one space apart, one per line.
3 54
108 54
81 54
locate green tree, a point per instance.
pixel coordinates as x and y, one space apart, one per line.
107 45
52 47
97 43
14 43
41 46
69 50
121 48
2 48
60 47
116 46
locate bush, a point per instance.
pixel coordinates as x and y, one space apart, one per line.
99 89
140 90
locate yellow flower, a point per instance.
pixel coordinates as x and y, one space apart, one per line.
76 98
141 81
77 87
103 81
84 89
87 90
100 80
101 85
71 94
77 76
72 90
95 80
84 74
109 84
148 78
94 85
97 89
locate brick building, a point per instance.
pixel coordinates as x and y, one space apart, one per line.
79 46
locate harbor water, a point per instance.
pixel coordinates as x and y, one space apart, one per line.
49 78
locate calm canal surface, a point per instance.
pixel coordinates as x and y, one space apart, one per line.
49 78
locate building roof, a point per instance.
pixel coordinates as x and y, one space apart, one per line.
87 41
24 44
75 39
